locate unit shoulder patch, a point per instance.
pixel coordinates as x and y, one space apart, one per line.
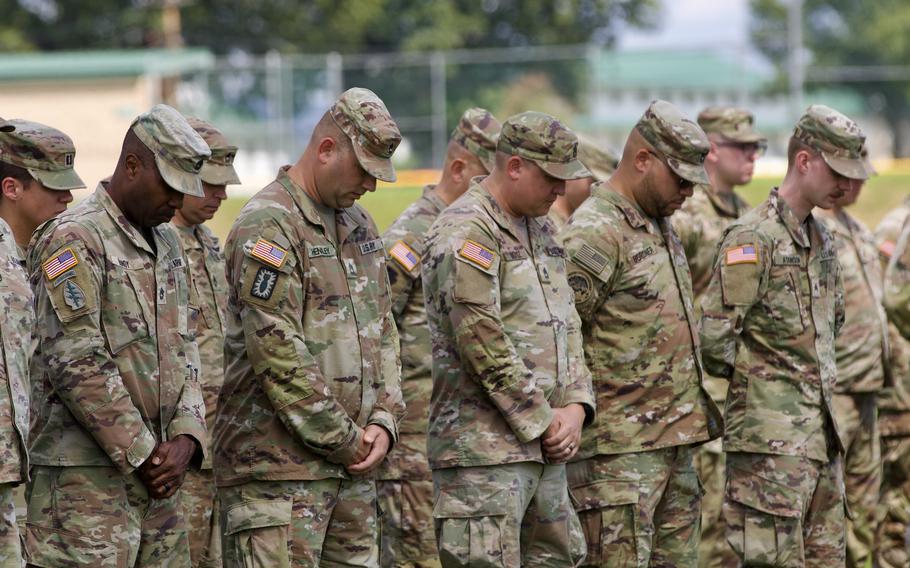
73 295
269 253
583 286
404 255
264 283
59 263
478 254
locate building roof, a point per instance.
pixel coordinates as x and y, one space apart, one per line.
698 70
107 63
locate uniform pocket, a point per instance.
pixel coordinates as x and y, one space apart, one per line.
123 318
771 519
608 512
471 528
256 533
52 548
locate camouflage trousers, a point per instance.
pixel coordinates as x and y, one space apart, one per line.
785 511
506 515
277 524
892 536
408 538
639 510
96 516
713 551
857 417
10 549
200 507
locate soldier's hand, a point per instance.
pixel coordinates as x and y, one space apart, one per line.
562 437
163 472
378 441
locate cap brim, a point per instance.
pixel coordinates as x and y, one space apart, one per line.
693 172
62 180
217 174
847 167
6 126
379 168
566 170
184 182
746 137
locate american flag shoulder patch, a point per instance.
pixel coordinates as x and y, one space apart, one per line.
477 253
742 254
269 253
590 258
60 263
405 255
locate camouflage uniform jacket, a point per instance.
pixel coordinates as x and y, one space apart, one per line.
17 320
404 242
633 294
209 286
771 313
311 348
699 225
506 340
862 346
116 371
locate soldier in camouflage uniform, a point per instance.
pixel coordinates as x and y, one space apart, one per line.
118 413
311 398
735 145
510 387
206 266
37 176
634 481
770 316
863 369
405 483
600 162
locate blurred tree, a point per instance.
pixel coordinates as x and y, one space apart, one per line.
848 33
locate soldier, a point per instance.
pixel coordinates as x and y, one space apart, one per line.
206 267
634 481
311 398
771 313
406 485
600 162
118 412
735 145
863 368
510 388
37 176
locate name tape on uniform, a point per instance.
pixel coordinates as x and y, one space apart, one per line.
60 263
477 253
269 253
744 254
405 255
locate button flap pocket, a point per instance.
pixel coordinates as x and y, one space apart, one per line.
258 514
602 494
469 502
763 495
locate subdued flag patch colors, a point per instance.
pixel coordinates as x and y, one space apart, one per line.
60 263
745 254
269 253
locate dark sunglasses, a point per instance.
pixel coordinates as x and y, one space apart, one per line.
681 182
747 148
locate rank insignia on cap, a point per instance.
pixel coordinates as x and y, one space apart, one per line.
405 255
269 253
477 253
60 263
745 254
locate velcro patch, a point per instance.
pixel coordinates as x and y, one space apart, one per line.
269 253
477 253
591 258
582 285
317 251
742 254
405 255
787 260
370 247
60 263
264 283
73 295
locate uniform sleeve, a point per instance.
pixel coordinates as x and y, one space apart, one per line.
897 284
593 261
389 408
272 303
688 228
486 352
738 282
79 365
401 278
580 389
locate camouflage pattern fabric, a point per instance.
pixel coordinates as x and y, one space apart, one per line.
108 520
180 152
892 532
311 348
10 545
639 509
517 514
202 513
506 341
836 137
46 153
634 297
785 510
682 144
366 121
407 535
734 124
328 523
544 140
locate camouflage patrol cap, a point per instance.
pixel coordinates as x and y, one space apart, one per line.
838 139
681 141
179 151
599 161
545 141
867 162
45 152
6 126
478 131
218 169
734 124
362 115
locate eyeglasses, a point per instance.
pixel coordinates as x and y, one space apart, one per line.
747 148
681 182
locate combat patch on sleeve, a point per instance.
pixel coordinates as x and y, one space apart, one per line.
269 253
741 254
61 262
73 295
590 258
583 286
264 283
477 254
404 255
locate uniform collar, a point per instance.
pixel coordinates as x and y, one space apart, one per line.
634 215
495 211
132 233
346 220
432 198
788 218
731 206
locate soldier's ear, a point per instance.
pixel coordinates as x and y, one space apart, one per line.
514 166
132 166
456 170
326 148
12 188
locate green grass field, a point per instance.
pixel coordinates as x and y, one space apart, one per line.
880 195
